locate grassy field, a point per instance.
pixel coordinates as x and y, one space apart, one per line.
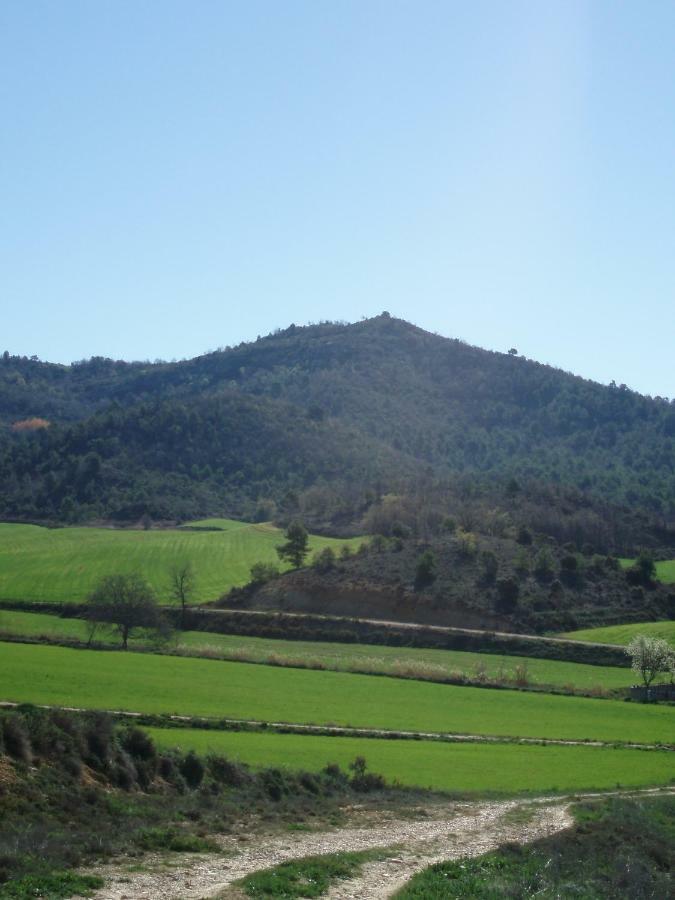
623 634
159 684
665 569
507 768
63 564
410 661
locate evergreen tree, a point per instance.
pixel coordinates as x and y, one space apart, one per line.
296 547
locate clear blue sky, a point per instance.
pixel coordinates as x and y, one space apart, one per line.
176 176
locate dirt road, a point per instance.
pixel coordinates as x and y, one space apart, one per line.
409 844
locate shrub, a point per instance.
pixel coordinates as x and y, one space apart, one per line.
274 783
98 735
466 543
378 543
489 566
166 768
571 570
140 747
557 589
508 591
643 571
324 560
224 771
524 536
192 770
362 780
172 839
139 744
425 572
521 565
16 740
543 564
521 675
263 572
265 511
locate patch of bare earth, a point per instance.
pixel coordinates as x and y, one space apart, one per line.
7 773
445 833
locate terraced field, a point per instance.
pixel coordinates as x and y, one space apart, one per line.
160 684
484 768
405 661
623 634
63 564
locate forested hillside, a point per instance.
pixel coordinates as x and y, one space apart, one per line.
348 413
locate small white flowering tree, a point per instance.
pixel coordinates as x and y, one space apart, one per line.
649 657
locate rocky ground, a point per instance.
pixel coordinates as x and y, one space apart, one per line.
410 841
410 844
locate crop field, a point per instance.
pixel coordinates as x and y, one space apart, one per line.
665 569
64 564
623 634
498 768
160 684
407 661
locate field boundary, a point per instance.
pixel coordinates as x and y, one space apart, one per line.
204 723
336 629
463 679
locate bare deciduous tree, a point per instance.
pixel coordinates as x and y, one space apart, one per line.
124 603
182 586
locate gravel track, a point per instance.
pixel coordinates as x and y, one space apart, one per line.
447 832
452 831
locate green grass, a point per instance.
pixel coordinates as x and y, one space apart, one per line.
665 569
216 524
160 684
310 876
429 664
486 768
54 886
174 840
623 634
622 848
64 564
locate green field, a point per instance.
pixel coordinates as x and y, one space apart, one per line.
160 684
410 661
665 569
623 634
441 766
64 564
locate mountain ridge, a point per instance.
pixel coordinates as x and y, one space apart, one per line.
365 407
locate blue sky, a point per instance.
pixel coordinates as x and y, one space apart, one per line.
178 176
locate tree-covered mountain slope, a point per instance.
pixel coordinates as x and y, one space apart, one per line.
358 408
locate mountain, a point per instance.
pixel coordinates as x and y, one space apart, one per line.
328 419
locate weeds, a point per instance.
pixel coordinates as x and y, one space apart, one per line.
172 839
619 848
51 887
308 877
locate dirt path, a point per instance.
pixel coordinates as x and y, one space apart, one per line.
452 831
467 836
410 844
413 626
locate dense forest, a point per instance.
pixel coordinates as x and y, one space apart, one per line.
328 420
